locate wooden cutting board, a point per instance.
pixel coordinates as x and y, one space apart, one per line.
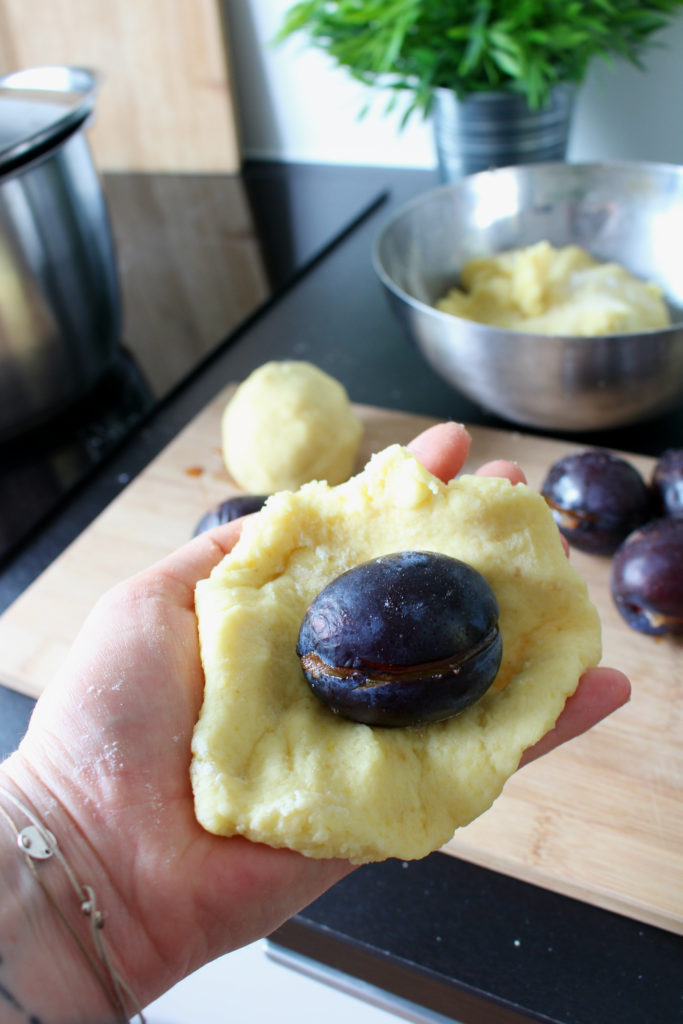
600 819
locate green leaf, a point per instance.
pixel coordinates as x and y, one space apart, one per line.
507 62
522 46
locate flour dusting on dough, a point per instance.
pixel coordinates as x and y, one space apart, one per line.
272 763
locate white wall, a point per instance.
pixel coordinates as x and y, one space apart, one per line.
294 105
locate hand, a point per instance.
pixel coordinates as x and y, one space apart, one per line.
106 760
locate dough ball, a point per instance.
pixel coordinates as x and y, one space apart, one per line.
273 763
289 423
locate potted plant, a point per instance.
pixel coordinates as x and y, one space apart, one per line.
497 76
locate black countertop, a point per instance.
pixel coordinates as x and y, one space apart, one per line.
466 943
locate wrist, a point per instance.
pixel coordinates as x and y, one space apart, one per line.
56 962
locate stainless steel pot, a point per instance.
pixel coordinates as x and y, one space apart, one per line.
60 310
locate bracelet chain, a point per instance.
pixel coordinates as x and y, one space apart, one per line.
37 843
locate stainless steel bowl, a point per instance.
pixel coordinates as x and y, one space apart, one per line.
631 213
59 294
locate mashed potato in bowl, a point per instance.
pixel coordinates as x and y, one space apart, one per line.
544 290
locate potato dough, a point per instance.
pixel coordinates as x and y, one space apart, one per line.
289 423
543 290
272 763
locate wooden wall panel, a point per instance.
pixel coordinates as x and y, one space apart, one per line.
166 101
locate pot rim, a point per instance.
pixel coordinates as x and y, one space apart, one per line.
59 98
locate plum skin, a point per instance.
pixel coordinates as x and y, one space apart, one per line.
647 578
667 482
226 511
403 639
597 499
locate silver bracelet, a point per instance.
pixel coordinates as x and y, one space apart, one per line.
37 843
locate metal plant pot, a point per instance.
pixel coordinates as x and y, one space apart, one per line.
498 129
59 293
